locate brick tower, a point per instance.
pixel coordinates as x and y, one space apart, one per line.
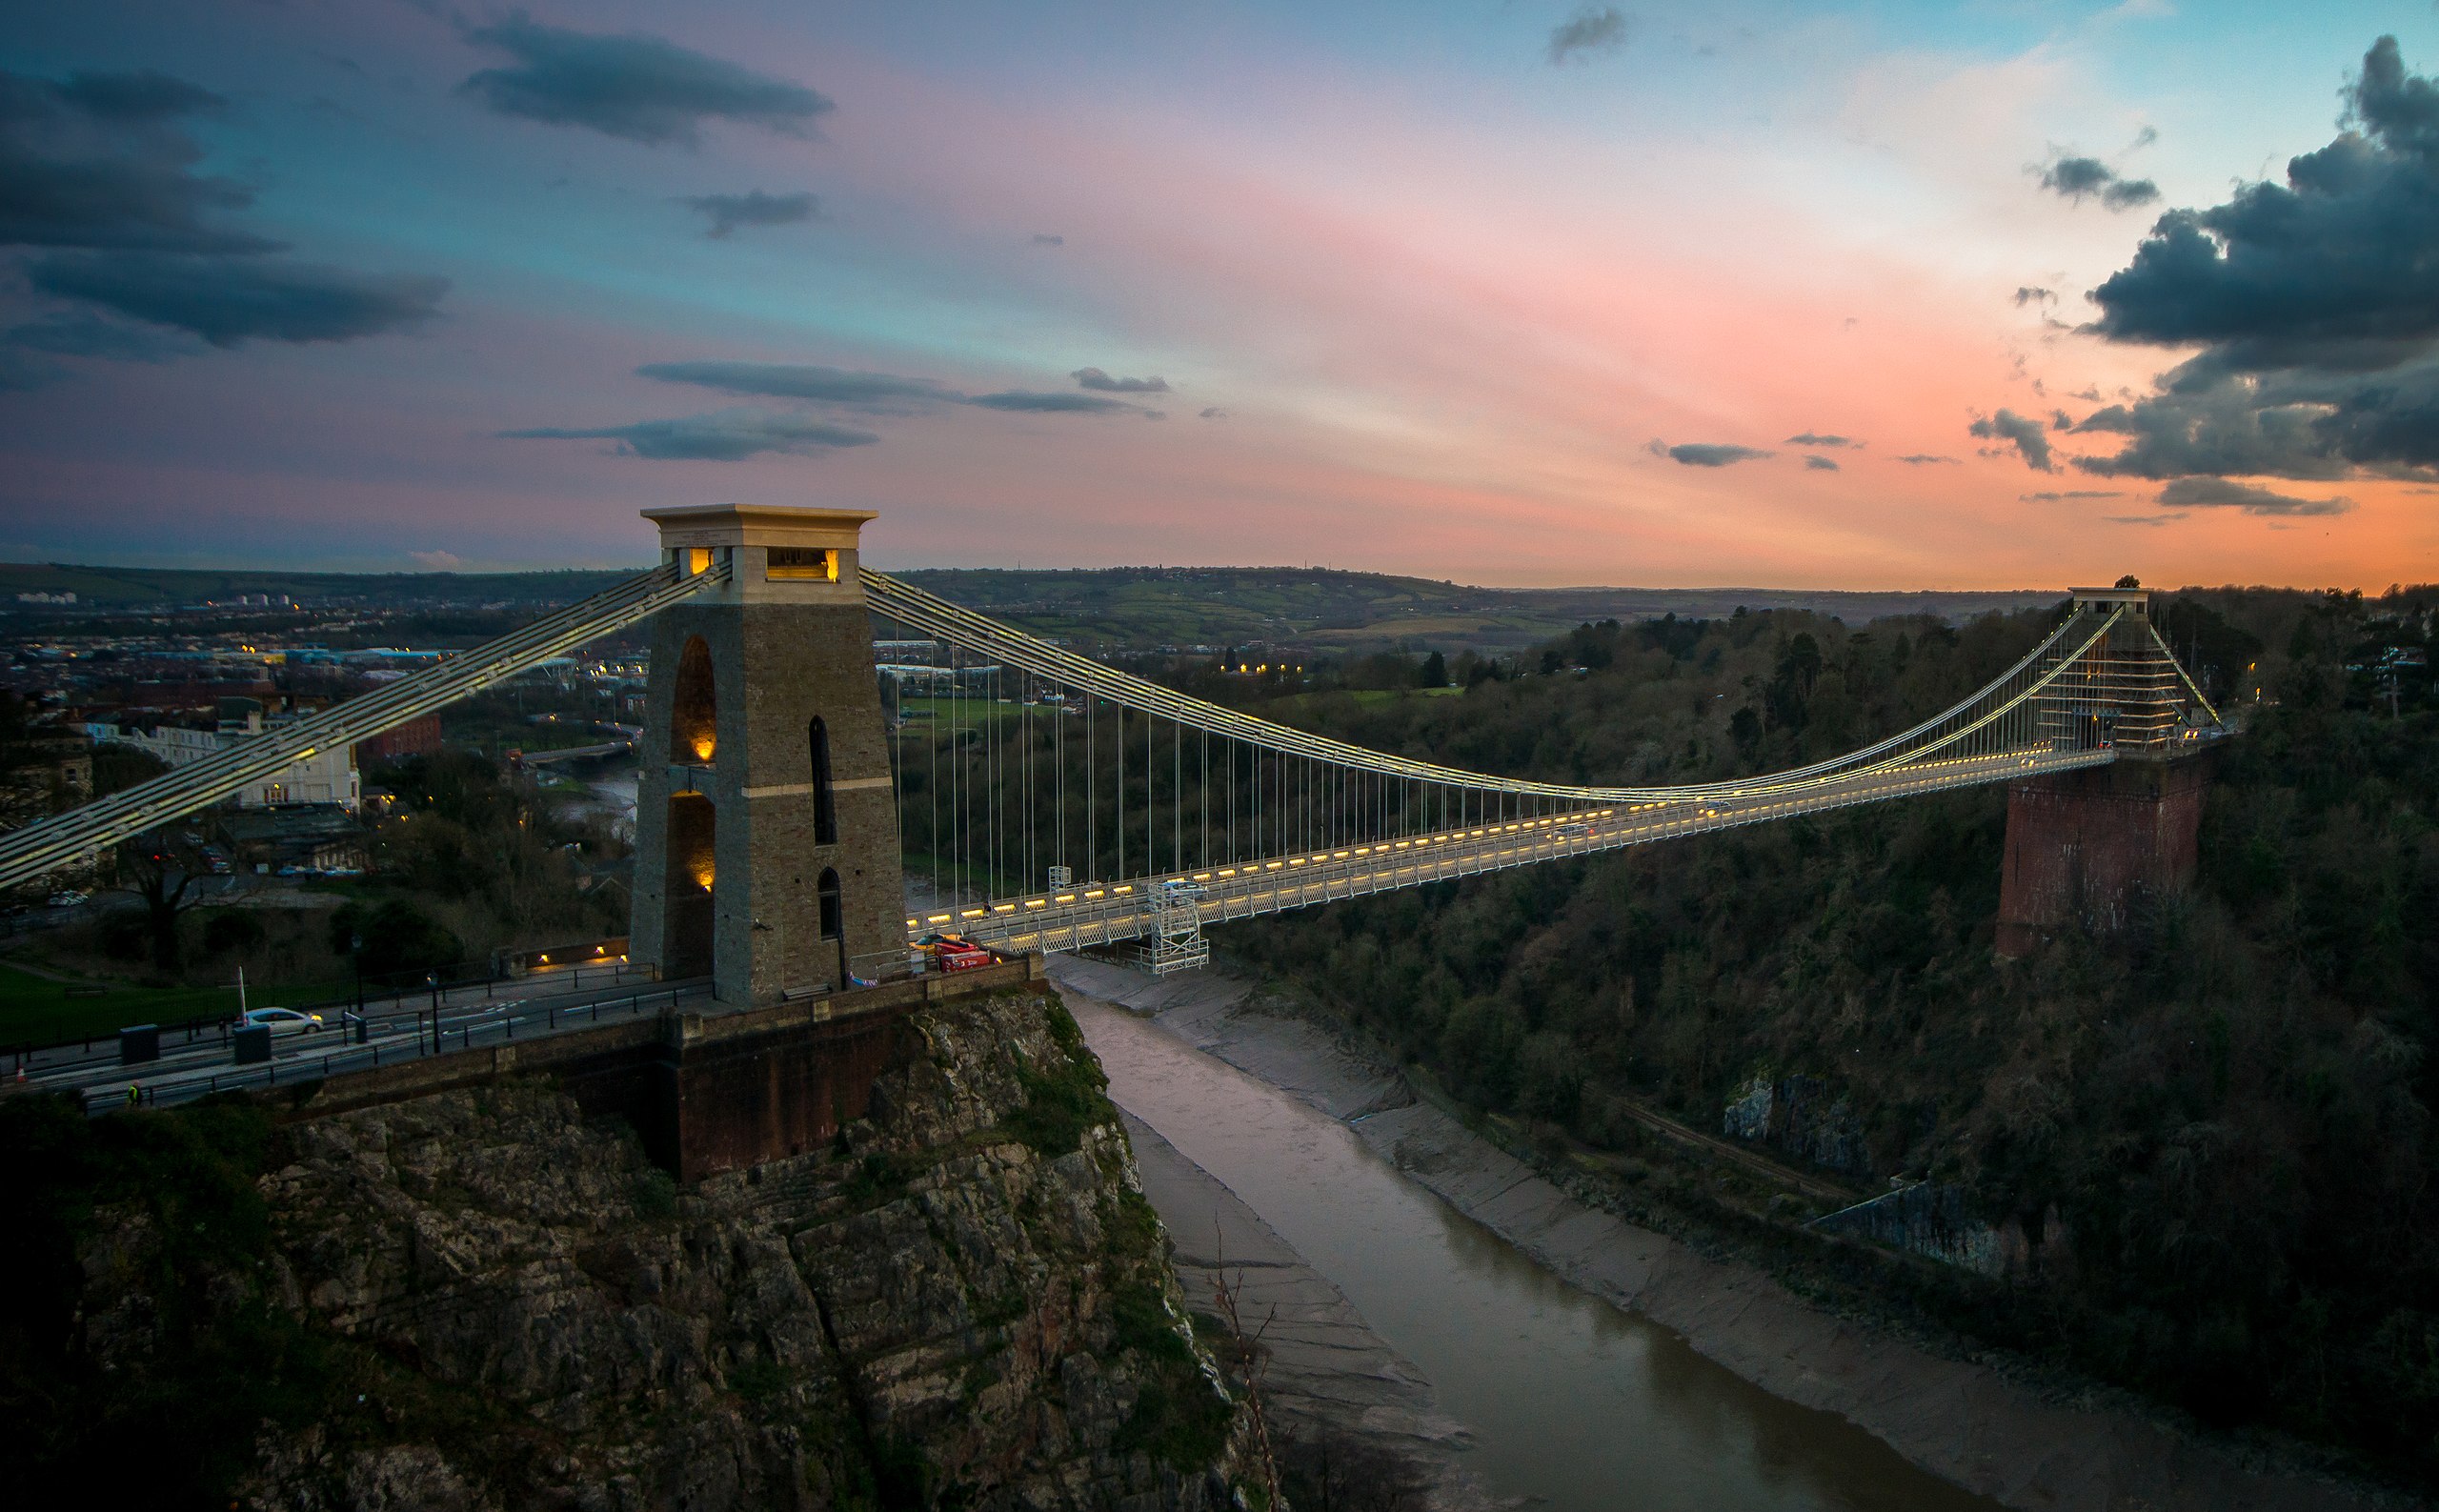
766 832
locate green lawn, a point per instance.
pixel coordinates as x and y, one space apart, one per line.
39 1010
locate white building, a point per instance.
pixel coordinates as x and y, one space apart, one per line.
326 777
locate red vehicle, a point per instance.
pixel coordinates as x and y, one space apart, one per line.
962 957
954 951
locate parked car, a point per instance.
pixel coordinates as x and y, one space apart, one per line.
280 1021
64 899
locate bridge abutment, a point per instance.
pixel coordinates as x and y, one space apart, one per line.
2083 845
705 1092
766 829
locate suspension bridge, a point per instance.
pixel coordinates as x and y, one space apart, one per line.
805 817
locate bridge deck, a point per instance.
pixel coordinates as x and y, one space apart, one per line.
1101 915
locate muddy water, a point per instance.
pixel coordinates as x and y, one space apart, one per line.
1570 1402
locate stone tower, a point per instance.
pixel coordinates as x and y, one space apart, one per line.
766 830
2083 845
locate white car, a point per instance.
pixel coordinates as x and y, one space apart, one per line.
280 1021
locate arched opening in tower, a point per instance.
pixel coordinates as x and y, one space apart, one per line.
694 712
694 834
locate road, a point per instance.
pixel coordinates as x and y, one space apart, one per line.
396 1029
1101 915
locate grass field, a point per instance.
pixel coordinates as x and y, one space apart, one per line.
37 1010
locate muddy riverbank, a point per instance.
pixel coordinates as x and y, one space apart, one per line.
1968 1423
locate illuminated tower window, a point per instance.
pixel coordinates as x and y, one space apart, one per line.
693 717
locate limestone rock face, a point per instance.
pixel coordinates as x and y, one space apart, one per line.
966 1302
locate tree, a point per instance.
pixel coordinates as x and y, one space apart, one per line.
163 873
1435 672
392 937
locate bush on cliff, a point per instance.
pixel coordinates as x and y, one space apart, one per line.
152 1395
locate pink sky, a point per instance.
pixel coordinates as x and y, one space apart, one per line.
1453 305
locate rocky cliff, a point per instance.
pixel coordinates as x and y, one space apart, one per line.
478 1299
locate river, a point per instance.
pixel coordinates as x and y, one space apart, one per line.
1571 1403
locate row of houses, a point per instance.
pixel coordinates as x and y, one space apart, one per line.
326 778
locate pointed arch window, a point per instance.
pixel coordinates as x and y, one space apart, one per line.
825 807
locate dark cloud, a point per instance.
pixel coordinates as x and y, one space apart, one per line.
783 380
2143 519
2061 420
640 89
1808 438
728 211
2028 295
1820 464
1045 239
2220 492
228 301
98 161
135 97
1919 458
1029 402
1700 454
728 436
1215 412
99 170
1095 379
2025 432
1591 30
2315 302
2128 192
83 334
2053 498
2077 178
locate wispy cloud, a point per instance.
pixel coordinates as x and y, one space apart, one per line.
2078 178
641 88
2222 492
2024 433
728 211
1698 454
728 436
789 381
1590 31
1095 379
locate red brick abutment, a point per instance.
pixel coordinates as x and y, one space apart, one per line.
708 1092
2083 845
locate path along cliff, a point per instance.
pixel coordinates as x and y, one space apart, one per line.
478 1299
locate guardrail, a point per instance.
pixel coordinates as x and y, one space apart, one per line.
434 1034
392 990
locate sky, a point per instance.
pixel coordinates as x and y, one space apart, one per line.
2005 294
